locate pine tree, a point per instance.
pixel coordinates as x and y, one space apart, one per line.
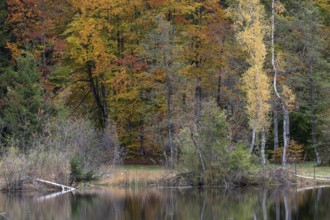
23 104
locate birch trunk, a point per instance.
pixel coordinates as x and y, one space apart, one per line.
253 140
287 126
285 134
61 186
286 130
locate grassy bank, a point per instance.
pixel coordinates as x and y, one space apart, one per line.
137 176
142 176
309 168
133 176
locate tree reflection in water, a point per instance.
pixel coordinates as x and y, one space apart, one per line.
153 203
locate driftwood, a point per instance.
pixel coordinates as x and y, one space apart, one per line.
63 187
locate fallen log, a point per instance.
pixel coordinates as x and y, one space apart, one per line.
63 187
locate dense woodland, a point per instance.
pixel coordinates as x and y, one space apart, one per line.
169 80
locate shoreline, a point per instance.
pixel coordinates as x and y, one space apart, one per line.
160 177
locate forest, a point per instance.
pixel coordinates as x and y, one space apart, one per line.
201 84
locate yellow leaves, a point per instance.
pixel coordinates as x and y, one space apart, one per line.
257 88
289 98
187 6
324 5
15 51
249 20
295 153
287 94
88 36
120 82
279 7
77 52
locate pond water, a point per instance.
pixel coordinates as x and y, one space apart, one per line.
181 204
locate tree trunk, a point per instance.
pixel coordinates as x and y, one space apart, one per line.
287 118
285 137
169 106
312 113
169 124
219 90
198 151
104 104
95 90
275 128
263 145
198 98
253 140
142 150
286 129
61 186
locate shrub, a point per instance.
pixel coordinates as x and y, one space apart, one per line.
14 166
79 145
67 147
208 143
295 153
78 173
49 164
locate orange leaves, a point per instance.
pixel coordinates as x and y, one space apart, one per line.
133 63
23 16
158 3
30 23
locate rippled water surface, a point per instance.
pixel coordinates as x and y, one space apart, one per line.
181 204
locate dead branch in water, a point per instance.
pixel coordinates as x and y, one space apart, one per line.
63 187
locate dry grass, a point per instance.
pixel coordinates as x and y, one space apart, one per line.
137 176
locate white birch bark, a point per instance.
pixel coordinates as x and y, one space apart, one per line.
253 140
286 132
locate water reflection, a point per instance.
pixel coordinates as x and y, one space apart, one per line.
150 204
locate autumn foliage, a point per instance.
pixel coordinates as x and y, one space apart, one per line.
145 67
